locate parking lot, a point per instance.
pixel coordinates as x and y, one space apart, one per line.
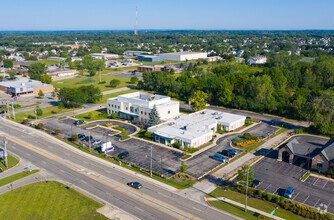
127 74
164 160
276 176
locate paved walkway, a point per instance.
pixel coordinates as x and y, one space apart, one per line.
198 191
228 170
116 90
242 205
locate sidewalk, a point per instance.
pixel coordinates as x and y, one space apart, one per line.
228 170
242 205
115 90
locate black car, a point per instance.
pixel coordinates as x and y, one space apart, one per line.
81 136
77 122
229 152
123 155
255 183
135 185
87 138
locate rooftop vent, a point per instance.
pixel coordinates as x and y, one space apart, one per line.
203 113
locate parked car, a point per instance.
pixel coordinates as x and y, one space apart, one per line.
255 183
87 138
229 152
81 136
135 185
97 141
77 122
219 158
289 192
123 155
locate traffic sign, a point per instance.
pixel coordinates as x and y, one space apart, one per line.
3 154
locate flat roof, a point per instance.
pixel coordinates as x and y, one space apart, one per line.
182 53
103 54
24 83
193 125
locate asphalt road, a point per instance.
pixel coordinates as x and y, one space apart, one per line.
50 155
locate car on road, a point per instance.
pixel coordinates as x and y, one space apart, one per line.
97 141
229 152
77 122
255 183
219 158
87 138
135 185
81 136
123 155
289 192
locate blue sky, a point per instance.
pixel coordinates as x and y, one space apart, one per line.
167 14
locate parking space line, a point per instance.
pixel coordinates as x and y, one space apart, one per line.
296 196
267 187
315 181
316 203
325 184
306 199
258 185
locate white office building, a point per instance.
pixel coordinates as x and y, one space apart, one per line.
137 106
195 129
104 56
183 56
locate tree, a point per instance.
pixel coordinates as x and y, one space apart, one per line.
46 79
148 134
74 97
91 93
134 79
40 126
74 137
36 70
242 174
12 75
87 62
92 71
154 117
114 83
198 100
57 131
40 93
183 167
53 94
7 63
39 111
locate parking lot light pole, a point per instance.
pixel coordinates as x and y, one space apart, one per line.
246 189
13 110
5 143
90 148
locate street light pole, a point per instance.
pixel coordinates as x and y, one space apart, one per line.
246 189
151 161
13 110
5 142
90 149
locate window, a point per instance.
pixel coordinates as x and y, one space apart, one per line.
141 112
145 113
126 108
108 111
112 111
112 105
168 112
319 165
119 107
109 105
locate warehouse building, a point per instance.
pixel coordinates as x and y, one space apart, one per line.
104 56
135 53
183 56
137 106
195 129
25 86
148 58
150 68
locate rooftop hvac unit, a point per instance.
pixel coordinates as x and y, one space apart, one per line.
203 113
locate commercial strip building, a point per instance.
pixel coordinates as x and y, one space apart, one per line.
149 58
183 56
25 86
318 157
195 129
137 106
61 72
135 53
104 56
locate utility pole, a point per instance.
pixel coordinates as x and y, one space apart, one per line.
35 115
5 143
246 189
90 149
13 110
151 161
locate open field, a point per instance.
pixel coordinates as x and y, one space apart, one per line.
112 95
47 112
79 81
50 200
12 161
15 177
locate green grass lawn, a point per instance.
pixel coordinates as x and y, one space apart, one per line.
112 95
77 82
99 114
50 200
236 210
15 177
12 161
262 205
49 62
47 112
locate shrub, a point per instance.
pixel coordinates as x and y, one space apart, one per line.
156 173
31 117
124 132
148 134
259 192
25 121
102 82
177 145
40 126
114 83
57 131
183 167
74 137
299 131
269 197
277 199
113 115
135 166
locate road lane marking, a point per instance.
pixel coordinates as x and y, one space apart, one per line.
159 201
296 196
126 194
32 148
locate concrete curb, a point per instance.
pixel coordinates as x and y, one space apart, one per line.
92 157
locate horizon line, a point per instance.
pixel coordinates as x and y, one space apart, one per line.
141 30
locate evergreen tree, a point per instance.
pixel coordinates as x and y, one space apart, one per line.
154 117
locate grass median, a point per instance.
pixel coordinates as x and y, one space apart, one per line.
50 200
15 177
12 161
